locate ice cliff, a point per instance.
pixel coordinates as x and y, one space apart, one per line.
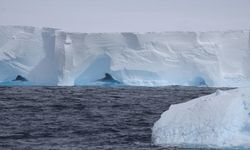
219 120
48 56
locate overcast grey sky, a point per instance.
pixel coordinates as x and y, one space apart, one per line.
127 15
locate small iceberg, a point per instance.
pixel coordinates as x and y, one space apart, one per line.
219 120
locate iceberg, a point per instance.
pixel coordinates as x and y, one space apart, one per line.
219 120
48 56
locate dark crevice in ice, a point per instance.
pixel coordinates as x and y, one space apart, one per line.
20 78
108 78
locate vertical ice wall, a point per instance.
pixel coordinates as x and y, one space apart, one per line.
46 72
54 57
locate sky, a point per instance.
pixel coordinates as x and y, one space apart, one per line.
128 15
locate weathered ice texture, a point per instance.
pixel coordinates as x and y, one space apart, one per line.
219 120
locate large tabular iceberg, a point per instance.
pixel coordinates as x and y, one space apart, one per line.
219 120
48 56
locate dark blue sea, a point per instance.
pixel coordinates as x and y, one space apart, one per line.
85 118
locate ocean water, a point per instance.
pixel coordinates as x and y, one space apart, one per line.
85 118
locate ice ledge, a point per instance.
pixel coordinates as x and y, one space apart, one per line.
219 120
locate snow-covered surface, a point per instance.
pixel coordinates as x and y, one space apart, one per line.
219 120
48 56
